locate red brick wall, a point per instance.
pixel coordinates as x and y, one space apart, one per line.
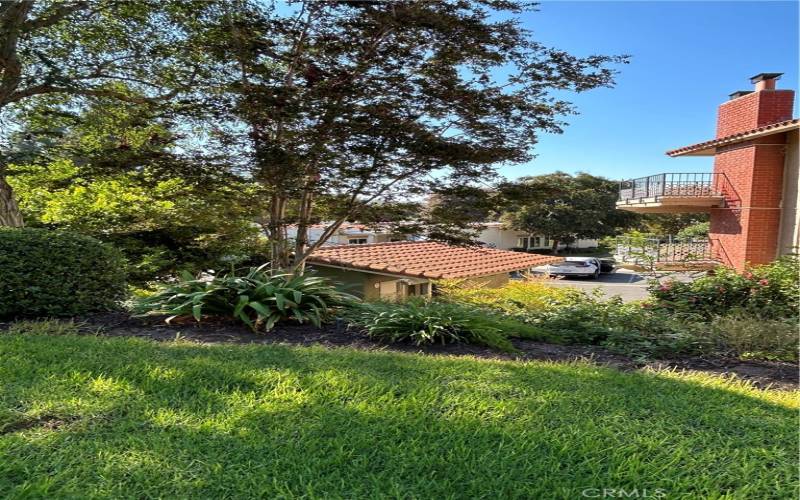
754 110
746 230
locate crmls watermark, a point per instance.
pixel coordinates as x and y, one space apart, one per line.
623 493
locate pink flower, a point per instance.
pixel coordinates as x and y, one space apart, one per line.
748 275
763 282
664 287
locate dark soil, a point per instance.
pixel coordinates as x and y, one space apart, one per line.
761 373
45 421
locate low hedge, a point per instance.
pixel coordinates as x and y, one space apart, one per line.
56 273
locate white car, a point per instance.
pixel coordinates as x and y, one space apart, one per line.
588 267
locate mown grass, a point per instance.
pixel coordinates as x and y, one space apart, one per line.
89 417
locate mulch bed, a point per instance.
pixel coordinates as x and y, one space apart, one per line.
761 373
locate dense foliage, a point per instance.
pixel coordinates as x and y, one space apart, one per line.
750 316
56 273
257 298
163 225
766 291
428 322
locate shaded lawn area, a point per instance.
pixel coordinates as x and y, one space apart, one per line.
128 418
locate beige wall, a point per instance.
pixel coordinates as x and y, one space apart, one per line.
789 236
370 286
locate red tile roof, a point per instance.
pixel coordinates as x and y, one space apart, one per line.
708 147
427 259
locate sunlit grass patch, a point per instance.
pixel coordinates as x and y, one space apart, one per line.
125 418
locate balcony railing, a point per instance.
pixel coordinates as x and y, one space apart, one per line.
679 185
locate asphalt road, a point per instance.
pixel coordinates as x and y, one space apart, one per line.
628 284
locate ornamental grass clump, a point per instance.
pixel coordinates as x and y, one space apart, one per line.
257 298
423 321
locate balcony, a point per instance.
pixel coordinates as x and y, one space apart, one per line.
674 193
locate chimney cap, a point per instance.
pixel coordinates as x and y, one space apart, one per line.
765 76
740 93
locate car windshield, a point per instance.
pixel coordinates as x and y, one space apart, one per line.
573 263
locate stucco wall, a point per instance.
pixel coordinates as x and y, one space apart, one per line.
352 282
505 239
790 218
368 286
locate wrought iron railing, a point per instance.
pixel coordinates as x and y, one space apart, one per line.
682 184
638 250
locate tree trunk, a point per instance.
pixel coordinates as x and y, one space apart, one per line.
277 237
555 247
301 242
10 216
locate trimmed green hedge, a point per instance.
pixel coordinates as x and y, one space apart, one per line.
55 273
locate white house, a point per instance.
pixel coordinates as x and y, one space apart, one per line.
497 235
349 234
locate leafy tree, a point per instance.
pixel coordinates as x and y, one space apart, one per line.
377 102
90 49
667 224
697 230
563 207
111 172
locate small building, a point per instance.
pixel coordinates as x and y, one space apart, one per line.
393 271
753 193
498 235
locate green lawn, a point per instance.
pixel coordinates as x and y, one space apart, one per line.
142 419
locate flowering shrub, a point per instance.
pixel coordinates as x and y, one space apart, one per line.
769 291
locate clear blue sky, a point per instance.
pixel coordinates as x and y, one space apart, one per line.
686 58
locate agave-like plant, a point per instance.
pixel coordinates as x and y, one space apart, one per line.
258 299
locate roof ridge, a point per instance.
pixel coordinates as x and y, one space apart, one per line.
429 259
731 137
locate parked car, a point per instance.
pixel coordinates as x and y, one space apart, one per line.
589 267
607 265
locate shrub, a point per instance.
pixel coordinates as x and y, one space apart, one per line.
427 322
55 273
257 298
750 337
766 291
516 297
44 327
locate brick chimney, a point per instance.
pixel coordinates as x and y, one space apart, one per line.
747 229
748 110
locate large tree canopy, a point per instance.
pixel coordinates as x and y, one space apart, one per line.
140 52
375 101
328 107
112 172
565 207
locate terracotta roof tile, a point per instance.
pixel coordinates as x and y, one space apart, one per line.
772 128
428 259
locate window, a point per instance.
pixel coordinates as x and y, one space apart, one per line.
423 289
528 242
357 241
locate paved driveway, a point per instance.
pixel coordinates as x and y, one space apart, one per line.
628 284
